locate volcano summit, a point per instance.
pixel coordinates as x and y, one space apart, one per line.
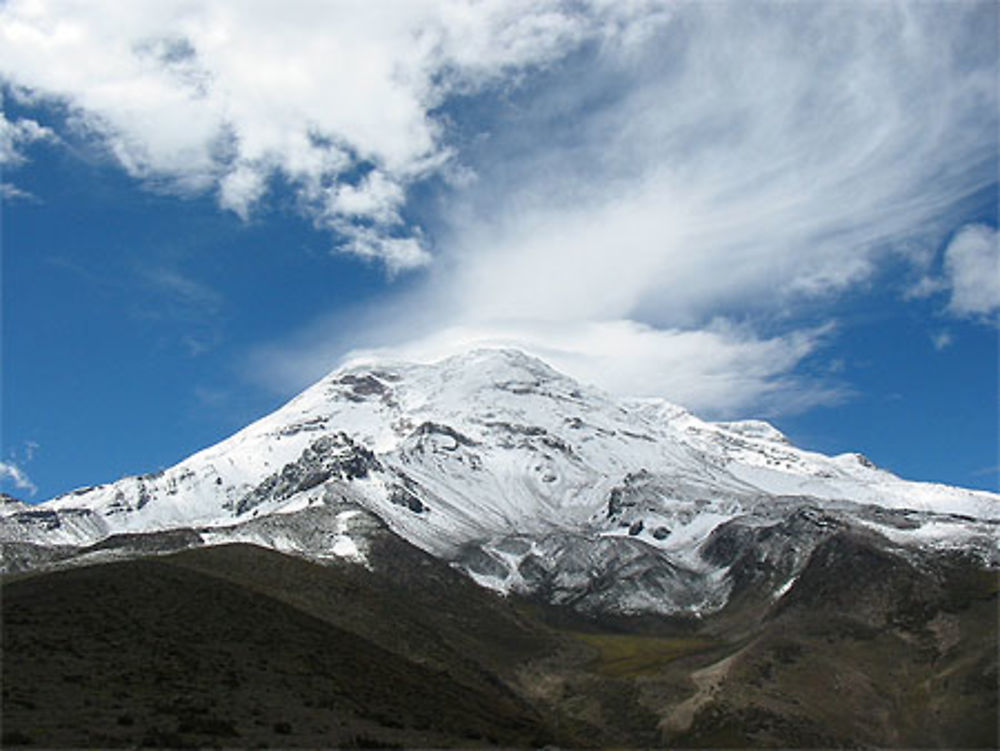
625 523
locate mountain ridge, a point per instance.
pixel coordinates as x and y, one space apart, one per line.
522 477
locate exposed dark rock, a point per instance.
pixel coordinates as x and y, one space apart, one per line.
516 428
148 542
727 542
532 571
514 545
312 424
847 573
634 490
557 444
437 429
330 457
478 561
639 436
46 519
516 435
144 496
359 388
28 556
898 518
763 554
404 497
864 461
521 388
617 502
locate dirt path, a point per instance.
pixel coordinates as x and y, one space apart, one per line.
707 681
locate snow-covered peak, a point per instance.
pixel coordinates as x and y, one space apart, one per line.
759 429
523 477
492 442
657 410
9 504
449 384
481 363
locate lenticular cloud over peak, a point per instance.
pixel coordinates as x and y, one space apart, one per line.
699 201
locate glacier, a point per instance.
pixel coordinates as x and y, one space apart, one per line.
523 478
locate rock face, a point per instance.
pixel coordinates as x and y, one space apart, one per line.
526 480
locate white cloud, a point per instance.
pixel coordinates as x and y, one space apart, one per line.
377 197
736 161
10 472
771 155
754 156
972 266
10 192
942 339
16 134
970 273
926 286
241 189
224 95
397 253
688 164
720 371
185 291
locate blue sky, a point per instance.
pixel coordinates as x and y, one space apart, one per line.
751 210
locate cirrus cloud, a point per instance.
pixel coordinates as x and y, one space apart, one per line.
663 186
13 474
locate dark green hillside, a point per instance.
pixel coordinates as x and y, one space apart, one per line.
867 649
238 646
155 652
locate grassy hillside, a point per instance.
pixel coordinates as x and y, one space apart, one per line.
237 646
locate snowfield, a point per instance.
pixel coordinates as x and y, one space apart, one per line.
493 446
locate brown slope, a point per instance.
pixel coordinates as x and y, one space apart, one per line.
156 652
869 648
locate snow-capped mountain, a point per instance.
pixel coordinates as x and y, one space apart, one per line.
527 480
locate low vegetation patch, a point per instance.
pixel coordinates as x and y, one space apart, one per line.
627 655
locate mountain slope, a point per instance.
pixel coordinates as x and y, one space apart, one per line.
529 481
219 645
240 646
